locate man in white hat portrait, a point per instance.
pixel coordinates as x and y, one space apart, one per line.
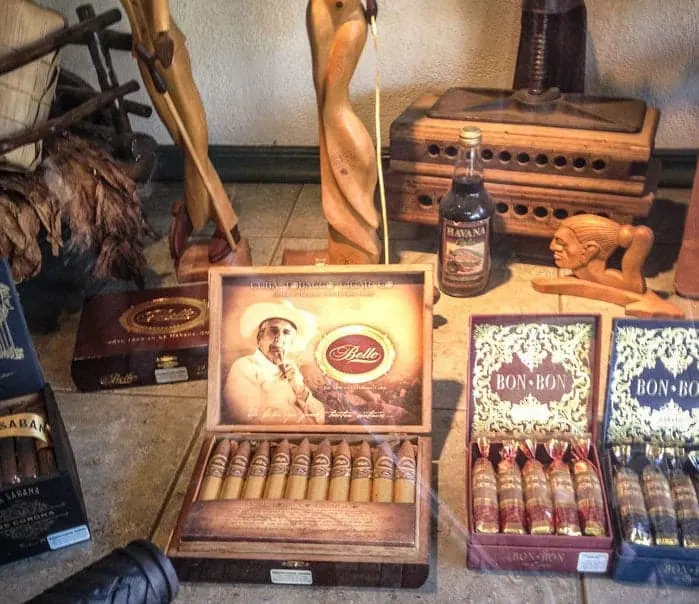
266 387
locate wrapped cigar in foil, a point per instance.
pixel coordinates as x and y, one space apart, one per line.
565 509
658 497
537 497
485 491
510 493
685 498
629 495
588 491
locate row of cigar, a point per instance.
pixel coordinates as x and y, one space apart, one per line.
321 472
658 501
558 498
24 459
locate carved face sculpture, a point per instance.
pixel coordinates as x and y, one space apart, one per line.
568 251
276 338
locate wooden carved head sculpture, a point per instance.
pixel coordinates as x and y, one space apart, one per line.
584 244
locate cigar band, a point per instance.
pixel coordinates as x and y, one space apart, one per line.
361 468
25 425
238 466
259 466
341 467
406 469
300 465
383 468
321 465
217 466
280 463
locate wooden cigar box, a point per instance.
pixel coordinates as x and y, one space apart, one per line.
534 376
652 397
361 344
139 338
41 502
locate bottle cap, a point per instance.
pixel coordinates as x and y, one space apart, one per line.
470 135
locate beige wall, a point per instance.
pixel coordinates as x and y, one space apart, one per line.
252 61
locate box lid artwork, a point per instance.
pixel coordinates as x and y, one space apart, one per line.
533 374
19 366
354 349
653 383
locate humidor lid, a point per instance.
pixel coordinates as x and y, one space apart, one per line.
653 383
168 318
533 374
20 373
321 349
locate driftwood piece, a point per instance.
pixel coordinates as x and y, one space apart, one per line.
583 244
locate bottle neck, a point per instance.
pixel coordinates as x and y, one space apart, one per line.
468 165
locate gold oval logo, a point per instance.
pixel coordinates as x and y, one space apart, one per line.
355 354
165 315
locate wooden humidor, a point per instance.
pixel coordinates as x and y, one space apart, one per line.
319 542
525 345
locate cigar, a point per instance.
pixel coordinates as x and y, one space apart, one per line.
298 474
629 494
45 456
404 483
28 463
235 473
485 491
278 471
510 491
8 462
215 468
686 501
588 491
537 497
320 473
257 472
340 474
565 510
382 485
360 485
658 498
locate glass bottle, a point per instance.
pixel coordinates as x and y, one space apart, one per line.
465 223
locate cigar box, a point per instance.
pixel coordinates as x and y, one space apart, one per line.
139 338
362 345
533 376
41 502
652 397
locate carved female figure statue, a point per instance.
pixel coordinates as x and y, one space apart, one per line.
337 32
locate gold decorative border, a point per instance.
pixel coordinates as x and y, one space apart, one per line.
636 350
355 378
129 324
495 345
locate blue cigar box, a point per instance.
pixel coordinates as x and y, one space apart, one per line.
19 366
652 397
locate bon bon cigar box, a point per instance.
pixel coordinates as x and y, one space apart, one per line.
336 353
139 338
652 397
536 377
41 503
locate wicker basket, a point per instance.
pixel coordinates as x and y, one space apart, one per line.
26 93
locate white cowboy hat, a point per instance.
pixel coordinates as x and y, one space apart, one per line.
255 314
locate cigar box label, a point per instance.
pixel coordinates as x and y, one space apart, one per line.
342 466
361 468
653 388
166 315
68 537
170 375
532 376
321 465
283 576
593 562
536 559
355 354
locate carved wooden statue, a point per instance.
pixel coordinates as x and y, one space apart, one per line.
583 244
337 32
153 29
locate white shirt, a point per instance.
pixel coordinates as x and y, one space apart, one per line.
256 393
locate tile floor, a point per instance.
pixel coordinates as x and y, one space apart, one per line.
134 447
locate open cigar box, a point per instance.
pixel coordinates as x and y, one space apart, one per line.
652 411
308 368
534 378
41 502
